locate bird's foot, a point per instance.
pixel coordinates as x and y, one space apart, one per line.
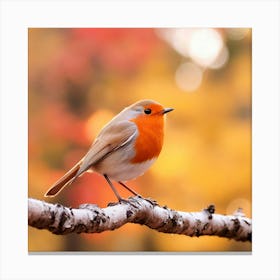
152 201
128 201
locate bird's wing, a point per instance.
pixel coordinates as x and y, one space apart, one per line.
111 138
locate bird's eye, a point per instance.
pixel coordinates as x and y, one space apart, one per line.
147 111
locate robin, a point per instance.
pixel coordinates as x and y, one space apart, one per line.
125 147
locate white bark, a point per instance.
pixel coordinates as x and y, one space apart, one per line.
91 219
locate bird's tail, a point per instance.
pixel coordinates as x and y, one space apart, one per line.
64 181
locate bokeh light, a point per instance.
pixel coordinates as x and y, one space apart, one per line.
188 76
221 59
237 33
96 121
205 46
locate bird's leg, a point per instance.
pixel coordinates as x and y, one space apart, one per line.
129 189
113 188
116 193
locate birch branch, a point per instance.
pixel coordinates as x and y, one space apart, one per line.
89 218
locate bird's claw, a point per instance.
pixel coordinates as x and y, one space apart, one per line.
152 201
127 201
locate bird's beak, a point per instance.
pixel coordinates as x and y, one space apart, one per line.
166 110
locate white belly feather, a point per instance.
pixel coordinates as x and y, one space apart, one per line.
123 172
118 165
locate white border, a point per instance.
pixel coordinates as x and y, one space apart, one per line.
17 16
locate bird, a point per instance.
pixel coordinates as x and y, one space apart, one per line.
124 149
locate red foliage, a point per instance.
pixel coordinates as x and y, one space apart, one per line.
117 49
63 125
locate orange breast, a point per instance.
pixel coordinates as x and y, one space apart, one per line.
150 138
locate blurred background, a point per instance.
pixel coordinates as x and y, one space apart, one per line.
80 78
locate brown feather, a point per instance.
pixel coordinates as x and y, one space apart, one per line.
65 180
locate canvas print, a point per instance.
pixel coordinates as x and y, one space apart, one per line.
139 140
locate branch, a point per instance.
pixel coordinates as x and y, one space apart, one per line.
90 218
